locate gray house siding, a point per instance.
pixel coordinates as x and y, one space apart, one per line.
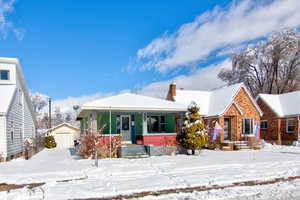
14 127
29 126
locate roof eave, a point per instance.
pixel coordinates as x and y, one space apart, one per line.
275 112
134 109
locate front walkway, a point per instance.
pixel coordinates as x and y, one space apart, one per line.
126 176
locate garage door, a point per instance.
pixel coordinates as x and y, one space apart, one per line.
64 140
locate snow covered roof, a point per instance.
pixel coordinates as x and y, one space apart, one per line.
214 102
63 124
7 92
283 105
201 98
133 102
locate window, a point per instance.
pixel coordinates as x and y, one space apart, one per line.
20 96
264 124
247 126
12 132
156 123
4 75
290 125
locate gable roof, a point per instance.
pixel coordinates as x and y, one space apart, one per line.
214 102
63 124
133 102
22 83
283 105
7 93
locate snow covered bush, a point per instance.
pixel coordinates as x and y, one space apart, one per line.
49 142
194 135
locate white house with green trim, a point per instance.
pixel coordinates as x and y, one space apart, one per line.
135 119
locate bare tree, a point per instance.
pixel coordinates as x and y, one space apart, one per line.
271 66
39 101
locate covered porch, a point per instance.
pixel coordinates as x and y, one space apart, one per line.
158 128
133 119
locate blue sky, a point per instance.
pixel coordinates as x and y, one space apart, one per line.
89 49
74 48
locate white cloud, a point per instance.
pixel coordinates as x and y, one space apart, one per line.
201 79
66 105
218 29
6 26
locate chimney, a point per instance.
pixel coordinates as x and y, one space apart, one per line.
171 92
172 89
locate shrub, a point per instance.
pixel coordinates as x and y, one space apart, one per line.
195 135
90 144
49 142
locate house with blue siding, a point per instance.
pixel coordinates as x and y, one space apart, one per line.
17 119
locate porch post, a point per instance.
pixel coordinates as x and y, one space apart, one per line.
144 123
110 133
94 123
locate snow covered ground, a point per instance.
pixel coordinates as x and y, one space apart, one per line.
279 191
126 176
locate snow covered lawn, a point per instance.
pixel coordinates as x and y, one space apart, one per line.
126 176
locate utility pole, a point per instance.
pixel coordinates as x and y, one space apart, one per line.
50 125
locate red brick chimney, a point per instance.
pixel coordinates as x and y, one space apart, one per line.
172 91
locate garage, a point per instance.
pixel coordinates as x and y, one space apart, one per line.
64 140
65 134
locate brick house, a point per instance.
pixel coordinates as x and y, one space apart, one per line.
280 121
233 107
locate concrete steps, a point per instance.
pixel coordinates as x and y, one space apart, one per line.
133 151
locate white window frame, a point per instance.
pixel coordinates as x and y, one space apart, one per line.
265 128
287 125
251 128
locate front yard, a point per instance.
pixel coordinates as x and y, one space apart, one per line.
66 176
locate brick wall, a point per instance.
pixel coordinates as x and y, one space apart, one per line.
288 138
271 134
248 109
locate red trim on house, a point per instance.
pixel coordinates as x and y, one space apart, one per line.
160 140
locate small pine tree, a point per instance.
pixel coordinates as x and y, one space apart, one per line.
49 142
194 136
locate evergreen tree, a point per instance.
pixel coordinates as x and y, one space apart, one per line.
49 142
194 136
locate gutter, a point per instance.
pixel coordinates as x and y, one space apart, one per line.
135 109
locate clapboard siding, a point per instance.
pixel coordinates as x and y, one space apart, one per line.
29 126
3 148
14 127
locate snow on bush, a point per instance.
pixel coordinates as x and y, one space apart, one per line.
194 135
